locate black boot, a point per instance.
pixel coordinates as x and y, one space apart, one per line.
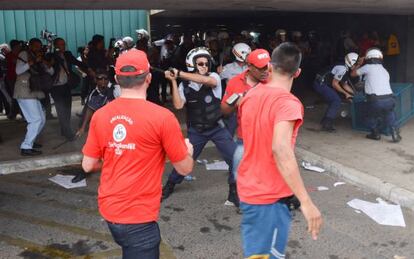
374 135
79 177
167 190
327 125
233 198
395 134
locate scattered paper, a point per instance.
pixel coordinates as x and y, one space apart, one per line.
322 188
338 183
381 212
66 181
217 166
358 211
399 257
309 166
202 161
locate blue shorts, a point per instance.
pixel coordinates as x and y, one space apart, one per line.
265 230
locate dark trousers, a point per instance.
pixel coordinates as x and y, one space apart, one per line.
231 123
381 110
223 141
47 104
331 97
63 103
153 91
137 240
14 109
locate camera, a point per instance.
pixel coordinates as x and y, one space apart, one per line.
233 99
47 35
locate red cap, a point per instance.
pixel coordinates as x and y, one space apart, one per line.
259 58
134 58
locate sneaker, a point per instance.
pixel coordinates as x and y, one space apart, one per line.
30 152
37 145
167 190
233 197
395 134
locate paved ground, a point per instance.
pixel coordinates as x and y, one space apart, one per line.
42 220
390 162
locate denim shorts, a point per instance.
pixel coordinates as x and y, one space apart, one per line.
265 230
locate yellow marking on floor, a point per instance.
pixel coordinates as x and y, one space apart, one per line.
53 224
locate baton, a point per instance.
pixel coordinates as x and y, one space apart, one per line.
156 69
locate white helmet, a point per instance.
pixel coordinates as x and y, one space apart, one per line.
194 54
128 42
141 33
240 51
351 59
374 53
280 32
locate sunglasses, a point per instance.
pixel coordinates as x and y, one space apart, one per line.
202 64
101 78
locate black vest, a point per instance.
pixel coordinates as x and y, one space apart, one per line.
203 108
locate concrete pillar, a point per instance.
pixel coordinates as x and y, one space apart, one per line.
410 50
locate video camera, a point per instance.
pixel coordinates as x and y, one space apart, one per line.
47 35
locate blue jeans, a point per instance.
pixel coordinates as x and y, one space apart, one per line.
35 118
237 156
381 109
137 240
223 141
331 97
265 230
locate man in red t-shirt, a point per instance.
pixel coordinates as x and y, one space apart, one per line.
257 72
268 175
130 139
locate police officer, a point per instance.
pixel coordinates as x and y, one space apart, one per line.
381 102
240 52
330 84
200 92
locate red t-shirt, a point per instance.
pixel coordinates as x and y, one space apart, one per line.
133 137
237 85
259 180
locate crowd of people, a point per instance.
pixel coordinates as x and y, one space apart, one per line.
229 85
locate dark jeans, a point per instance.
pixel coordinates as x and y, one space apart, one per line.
63 103
223 141
137 240
231 123
381 110
331 97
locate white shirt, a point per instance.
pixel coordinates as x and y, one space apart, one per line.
339 71
231 70
377 79
196 86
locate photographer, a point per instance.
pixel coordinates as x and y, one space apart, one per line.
63 81
29 100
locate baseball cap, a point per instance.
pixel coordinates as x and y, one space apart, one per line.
134 58
258 58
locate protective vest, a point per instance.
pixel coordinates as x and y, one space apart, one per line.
393 47
203 108
325 76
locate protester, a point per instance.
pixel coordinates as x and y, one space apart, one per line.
269 175
129 140
257 72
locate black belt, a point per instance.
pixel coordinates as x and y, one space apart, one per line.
373 97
